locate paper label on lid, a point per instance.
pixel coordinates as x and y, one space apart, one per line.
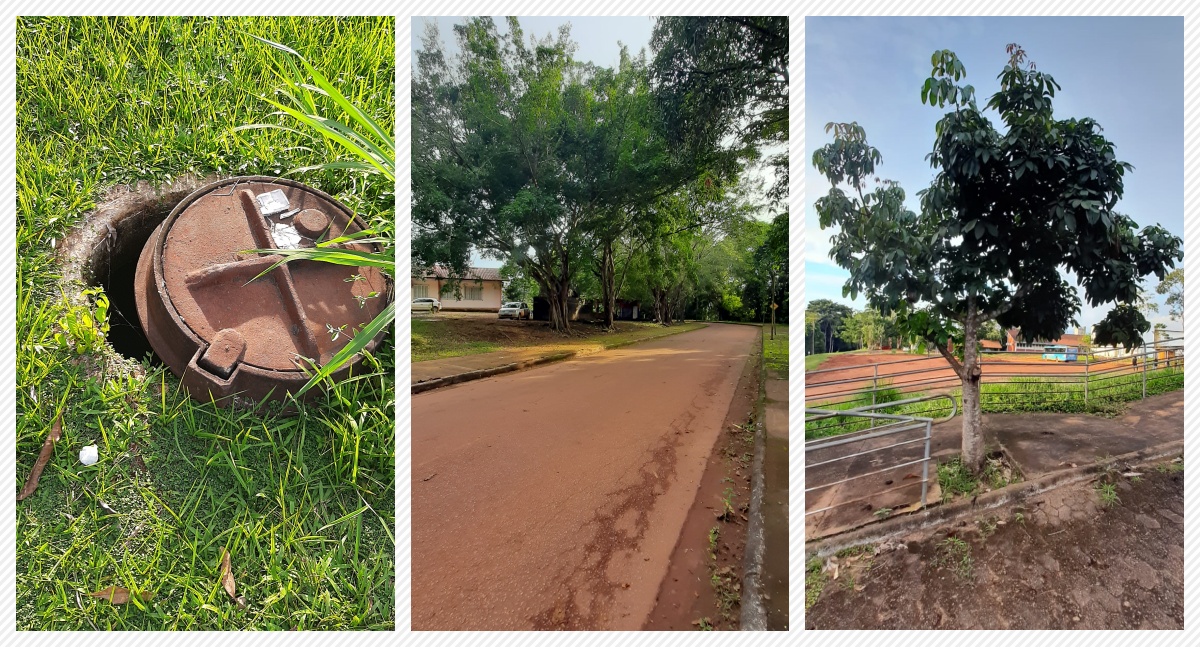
272 202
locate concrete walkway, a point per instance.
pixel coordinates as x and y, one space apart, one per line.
1037 443
775 502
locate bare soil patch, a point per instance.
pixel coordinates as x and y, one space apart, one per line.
1064 560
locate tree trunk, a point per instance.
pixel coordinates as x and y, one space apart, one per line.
556 297
556 289
608 279
972 436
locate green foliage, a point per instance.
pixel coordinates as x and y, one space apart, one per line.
955 479
771 267
1004 213
830 314
488 159
82 328
814 581
311 98
1122 326
720 76
518 285
1108 494
1172 286
775 351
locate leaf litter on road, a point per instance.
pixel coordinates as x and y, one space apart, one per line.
43 458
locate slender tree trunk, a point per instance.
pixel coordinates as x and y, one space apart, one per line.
608 277
972 437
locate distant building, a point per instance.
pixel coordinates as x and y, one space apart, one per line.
481 289
1014 343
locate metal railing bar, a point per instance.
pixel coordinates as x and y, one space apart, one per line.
822 443
864 453
859 476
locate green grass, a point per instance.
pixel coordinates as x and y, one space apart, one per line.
304 504
814 581
814 362
434 339
775 351
956 480
431 341
1106 396
1107 492
955 554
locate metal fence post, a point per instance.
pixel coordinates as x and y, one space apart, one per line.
874 382
925 465
1145 364
1086 378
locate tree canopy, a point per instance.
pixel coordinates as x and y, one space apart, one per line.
721 75
589 180
1008 211
1172 286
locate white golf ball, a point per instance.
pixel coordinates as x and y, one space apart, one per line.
89 455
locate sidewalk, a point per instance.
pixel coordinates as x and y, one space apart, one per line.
775 501
1038 444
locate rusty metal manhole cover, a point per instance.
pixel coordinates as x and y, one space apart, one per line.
224 334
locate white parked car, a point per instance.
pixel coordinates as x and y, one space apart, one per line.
421 304
515 310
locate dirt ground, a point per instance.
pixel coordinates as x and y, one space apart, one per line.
690 598
553 498
1062 560
930 372
1036 444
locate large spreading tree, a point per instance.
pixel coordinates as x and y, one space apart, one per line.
1008 211
489 131
722 76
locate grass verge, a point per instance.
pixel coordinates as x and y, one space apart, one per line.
443 339
775 351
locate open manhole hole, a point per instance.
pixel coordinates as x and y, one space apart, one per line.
199 307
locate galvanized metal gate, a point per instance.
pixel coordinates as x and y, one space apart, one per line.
865 444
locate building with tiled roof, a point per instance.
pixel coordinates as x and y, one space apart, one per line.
481 289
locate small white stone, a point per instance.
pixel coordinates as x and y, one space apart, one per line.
89 455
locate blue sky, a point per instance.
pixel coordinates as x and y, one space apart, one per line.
1126 73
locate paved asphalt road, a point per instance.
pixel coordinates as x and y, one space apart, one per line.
552 498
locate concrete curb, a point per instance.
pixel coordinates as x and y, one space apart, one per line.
754 615
875 532
429 385
437 383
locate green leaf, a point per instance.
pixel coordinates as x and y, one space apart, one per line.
354 347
